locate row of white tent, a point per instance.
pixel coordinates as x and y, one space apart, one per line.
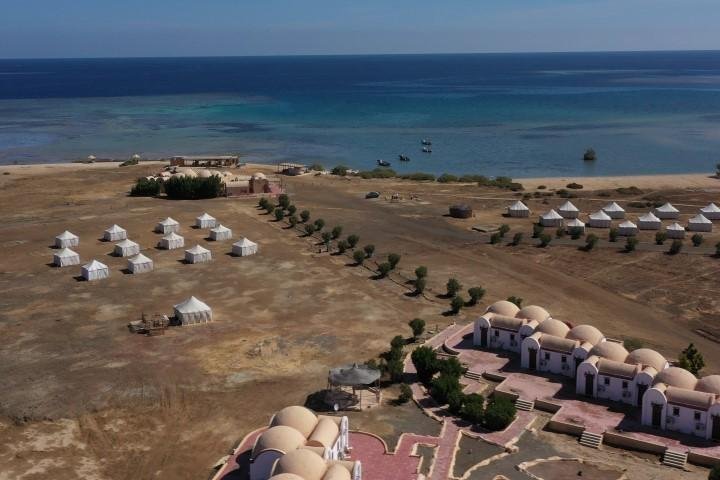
614 211
170 225
649 221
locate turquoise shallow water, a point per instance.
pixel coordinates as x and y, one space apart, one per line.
519 115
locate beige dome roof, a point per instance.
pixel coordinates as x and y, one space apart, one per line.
709 384
204 173
503 307
585 333
533 312
676 377
300 418
337 472
552 326
281 438
646 356
286 476
302 462
610 350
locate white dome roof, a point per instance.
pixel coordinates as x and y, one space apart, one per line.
676 377
585 333
610 350
503 307
533 312
554 327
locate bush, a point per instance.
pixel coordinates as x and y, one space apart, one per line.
145 187
336 232
495 238
353 240
393 260
560 232
193 188
714 473
515 300
517 239
545 240
263 203
443 386
419 177
394 368
660 238
378 173
633 190
291 209
284 201
574 186
631 344
447 178
504 229
279 214
384 269
631 244
468 178
697 240
613 235
304 216
537 230
675 247
317 167
269 207
405 393
426 363
369 250
476 294
342 246
420 285
339 170
500 182
359 257
319 224
326 238
292 219
456 304
717 249
590 242
309 229
542 187
576 233
455 401
473 409
691 360
499 414
421 272
417 325
453 287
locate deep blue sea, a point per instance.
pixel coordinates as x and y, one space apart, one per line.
497 114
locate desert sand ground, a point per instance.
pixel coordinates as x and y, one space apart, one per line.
83 398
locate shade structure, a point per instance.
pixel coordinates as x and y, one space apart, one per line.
575 225
220 233
197 254
568 210
94 271
126 248
599 219
353 375
675 231
711 212
115 233
66 257
518 209
171 241
169 225
140 264
551 219
244 247
614 210
699 223
649 222
460 211
205 221
192 311
627 229
667 211
67 239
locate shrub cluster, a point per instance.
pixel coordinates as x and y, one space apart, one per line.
146 188
193 188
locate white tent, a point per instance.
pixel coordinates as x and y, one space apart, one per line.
675 231
220 233
115 233
95 271
649 222
599 219
205 221
140 264
168 225
614 210
197 254
244 247
699 223
667 211
67 239
711 212
193 311
518 209
126 248
551 219
172 241
66 257
568 210
627 229
574 224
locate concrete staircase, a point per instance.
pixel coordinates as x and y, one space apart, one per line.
674 459
591 439
526 405
474 376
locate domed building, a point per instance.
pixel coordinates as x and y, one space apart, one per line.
504 326
306 464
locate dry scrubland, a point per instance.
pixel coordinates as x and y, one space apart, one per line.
83 398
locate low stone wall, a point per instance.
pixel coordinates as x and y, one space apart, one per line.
546 406
703 460
503 394
563 427
495 377
631 443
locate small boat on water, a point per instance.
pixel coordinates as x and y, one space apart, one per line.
426 142
383 163
403 158
427 150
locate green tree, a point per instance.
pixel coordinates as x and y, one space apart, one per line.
476 294
394 369
293 221
279 214
291 209
336 232
342 246
518 301
691 360
455 401
353 240
319 224
317 167
284 201
146 188
339 170
359 257
473 409
405 393
443 386
421 272
309 230
545 240
384 269
631 244
417 325
537 230
420 285
576 233
393 260
495 238
560 232
426 363
714 473
326 237
452 367
504 229
456 304
269 208
397 343
499 414
697 240
369 250
590 242
262 203
660 238
305 216
613 235
517 239
675 247
453 287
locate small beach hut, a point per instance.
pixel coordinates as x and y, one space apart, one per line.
711 212
192 311
667 211
66 257
568 210
699 223
168 225
126 248
614 210
518 209
140 264
675 231
94 271
197 254
460 211
599 219
574 225
115 234
627 229
220 233
244 247
67 239
551 219
205 221
171 241
649 222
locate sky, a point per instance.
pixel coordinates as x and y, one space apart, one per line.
136 28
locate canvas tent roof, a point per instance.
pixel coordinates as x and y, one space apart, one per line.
599 215
115 229
95 265
126 244
192 305
648 217
65 253
574 223
613 207
66 235
667 208
139 259
518 206
206 216
197 250
700 218
712 208
627 224
244 242
353 375
169 221
220 228
172 236
552 215
568 207
675 226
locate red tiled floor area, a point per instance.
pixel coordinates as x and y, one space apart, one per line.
530 387
377 464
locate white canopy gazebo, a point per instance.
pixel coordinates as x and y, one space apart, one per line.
140 264
115 233
711 212
220 233
627 229
171 241
67 239
244 247
66 257
197 254
126 248
193 311
675 231
169 225
699 223
94 271
667 211
568 210
599 219
518 209
551 219
614 210
649 222
205 221
574 225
